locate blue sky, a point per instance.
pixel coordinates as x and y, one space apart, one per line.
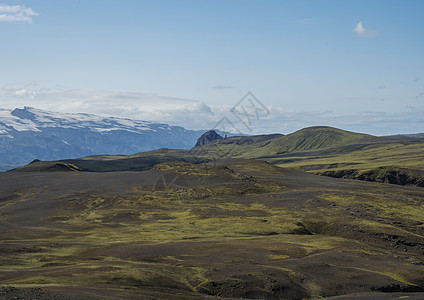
188 62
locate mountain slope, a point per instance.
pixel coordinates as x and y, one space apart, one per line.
319 137
307 139
29 133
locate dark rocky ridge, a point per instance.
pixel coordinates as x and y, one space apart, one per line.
393 175
208 137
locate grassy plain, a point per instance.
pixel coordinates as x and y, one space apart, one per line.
232 228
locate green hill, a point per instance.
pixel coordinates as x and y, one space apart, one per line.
307 139
316 138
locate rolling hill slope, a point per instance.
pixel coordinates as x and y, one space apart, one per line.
319 150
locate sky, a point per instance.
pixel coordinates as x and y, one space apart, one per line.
356 65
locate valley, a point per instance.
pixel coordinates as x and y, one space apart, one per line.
190 150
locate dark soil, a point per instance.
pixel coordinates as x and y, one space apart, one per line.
232 229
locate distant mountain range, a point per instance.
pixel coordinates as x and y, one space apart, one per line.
29 133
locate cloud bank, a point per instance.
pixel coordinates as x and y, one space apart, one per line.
194 114
360 30
140 106
16 13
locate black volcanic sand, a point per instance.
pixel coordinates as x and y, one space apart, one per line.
232 229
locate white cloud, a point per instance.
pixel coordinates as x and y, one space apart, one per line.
360 30
19 90
16 13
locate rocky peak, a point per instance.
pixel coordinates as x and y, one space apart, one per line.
208 137
24 113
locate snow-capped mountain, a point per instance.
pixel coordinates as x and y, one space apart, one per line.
30 133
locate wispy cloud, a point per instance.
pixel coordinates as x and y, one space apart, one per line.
360 30
419 96
416 79
222 87
307 21
16 13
